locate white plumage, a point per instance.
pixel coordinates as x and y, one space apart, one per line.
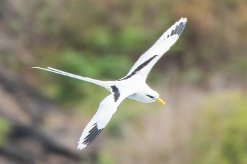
133 85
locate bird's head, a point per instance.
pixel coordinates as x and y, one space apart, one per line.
153 96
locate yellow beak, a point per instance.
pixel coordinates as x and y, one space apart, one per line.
159 100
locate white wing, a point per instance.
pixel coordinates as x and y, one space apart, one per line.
101 118
145 63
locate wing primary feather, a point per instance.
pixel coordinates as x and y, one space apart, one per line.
93 133
172 33
178 29
88 139
181 25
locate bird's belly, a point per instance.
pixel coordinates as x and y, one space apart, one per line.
139 97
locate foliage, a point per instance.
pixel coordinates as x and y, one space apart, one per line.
222 137
105 158
4 130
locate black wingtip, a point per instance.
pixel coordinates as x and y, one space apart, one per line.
179 27
93 133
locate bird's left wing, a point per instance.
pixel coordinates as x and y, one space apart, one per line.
101 118
147 60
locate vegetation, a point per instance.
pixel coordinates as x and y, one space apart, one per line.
4 130
225 127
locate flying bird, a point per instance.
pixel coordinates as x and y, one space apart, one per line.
132 86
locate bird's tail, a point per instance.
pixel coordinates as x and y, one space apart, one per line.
103 84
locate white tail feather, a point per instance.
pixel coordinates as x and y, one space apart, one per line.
94 81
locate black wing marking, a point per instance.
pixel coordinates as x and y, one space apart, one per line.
179 29
139 68
93 133
116 92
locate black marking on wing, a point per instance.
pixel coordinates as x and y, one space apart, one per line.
116 92
178 29
139 68
93 133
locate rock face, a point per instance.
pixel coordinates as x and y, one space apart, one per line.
33 129
29 138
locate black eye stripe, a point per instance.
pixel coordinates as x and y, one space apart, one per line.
150 96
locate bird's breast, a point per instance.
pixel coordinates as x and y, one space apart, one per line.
139 97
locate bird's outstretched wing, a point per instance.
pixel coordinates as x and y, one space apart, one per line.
101 118
147 60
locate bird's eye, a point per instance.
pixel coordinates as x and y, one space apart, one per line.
150 96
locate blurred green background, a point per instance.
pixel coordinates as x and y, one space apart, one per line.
202 78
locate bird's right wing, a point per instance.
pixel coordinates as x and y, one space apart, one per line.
101 118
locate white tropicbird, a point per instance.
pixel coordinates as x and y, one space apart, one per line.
132 86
